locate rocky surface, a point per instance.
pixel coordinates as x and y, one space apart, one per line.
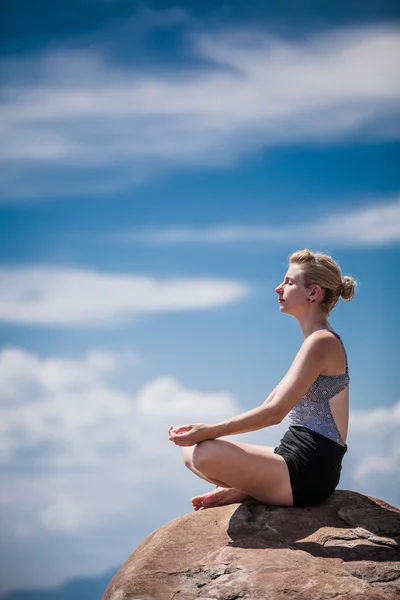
347 547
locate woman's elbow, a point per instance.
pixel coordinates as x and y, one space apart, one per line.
276 416
278 419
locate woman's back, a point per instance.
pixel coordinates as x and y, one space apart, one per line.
324 408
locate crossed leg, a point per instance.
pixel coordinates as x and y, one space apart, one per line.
188 460
256 471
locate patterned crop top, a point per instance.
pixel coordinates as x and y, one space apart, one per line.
313 410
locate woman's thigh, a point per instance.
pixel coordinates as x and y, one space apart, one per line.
254 470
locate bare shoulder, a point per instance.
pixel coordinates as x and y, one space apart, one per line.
333 358
321 340
315 351
319 347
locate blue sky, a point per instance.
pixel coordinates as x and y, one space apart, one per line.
159 164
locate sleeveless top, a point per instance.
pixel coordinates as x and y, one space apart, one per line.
313 411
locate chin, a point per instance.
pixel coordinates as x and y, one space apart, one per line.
284 310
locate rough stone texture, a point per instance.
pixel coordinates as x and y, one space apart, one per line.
347 547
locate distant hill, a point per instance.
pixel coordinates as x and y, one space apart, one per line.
80 589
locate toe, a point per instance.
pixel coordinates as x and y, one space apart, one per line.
212 500
197 498
201 497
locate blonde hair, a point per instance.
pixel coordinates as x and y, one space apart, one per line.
321 269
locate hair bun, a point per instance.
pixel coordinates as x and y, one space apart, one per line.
348 288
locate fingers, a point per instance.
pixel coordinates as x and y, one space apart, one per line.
180 435
174 434
180 430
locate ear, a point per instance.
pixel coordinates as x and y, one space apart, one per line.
316 292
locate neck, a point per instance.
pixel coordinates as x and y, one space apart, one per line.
311 321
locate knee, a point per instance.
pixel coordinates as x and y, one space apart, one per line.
187 456
202 452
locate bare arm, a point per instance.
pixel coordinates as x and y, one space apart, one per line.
310 362
271 396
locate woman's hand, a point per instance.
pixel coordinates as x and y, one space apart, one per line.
189 435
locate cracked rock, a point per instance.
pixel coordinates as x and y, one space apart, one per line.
346 548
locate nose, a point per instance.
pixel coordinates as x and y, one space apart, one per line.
278 289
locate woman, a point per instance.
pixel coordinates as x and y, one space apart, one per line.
305 468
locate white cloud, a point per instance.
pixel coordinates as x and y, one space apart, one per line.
25 375
86 298
375 224
77 113
376 446
64 514
78 430
166 397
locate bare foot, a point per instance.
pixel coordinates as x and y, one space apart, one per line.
218 497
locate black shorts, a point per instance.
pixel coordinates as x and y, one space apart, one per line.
314 462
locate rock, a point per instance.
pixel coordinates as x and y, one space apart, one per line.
348 547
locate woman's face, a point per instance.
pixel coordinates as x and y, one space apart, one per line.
292 295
